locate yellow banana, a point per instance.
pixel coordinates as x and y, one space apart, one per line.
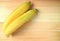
16 13
20 21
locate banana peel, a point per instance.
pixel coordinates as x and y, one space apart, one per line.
16 19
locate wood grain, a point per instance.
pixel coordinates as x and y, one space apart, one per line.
45 26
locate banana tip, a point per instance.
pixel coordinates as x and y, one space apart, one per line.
36 10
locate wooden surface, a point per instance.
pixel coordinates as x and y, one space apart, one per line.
45 26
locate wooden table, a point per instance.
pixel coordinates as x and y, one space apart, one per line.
45 26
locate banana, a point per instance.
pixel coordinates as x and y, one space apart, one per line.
17 23
16 13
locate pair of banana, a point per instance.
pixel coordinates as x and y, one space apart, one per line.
18 17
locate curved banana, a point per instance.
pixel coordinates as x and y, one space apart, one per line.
16 13
17 23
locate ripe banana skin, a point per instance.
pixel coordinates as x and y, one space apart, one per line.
16 13
18 22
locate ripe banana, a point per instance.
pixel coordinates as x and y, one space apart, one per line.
16 13
18 22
